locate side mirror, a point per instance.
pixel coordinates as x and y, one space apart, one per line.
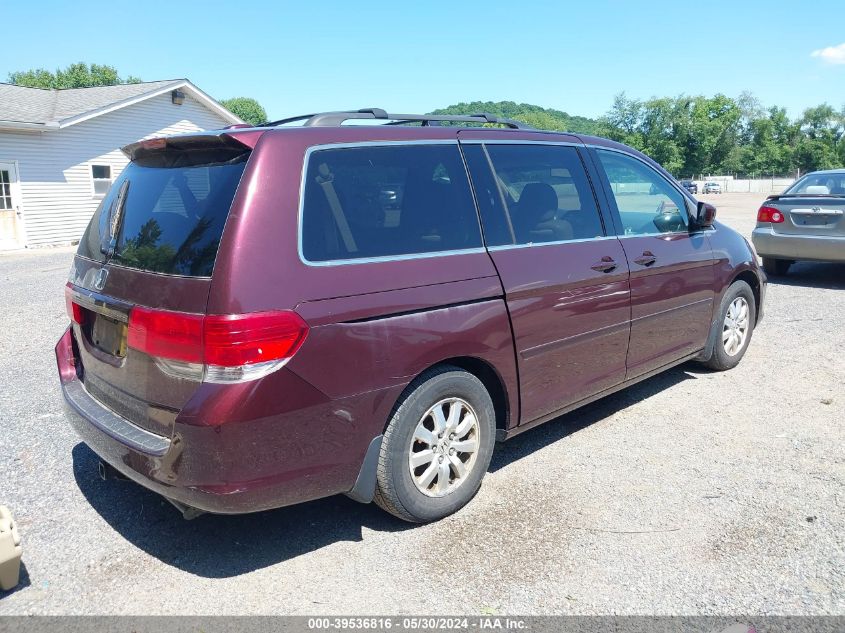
705 215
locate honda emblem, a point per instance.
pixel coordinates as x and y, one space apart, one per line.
100 279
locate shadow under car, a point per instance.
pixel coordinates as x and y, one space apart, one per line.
222 546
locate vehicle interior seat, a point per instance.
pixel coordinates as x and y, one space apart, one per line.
431 218
537 217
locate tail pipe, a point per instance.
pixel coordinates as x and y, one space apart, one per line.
107 471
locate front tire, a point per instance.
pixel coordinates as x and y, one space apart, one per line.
734 327
437 446
776 267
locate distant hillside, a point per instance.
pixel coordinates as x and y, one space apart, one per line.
535 116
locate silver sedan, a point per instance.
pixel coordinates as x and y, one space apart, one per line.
805 222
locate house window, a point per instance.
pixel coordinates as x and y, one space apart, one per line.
101 176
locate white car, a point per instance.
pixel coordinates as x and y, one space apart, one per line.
712 187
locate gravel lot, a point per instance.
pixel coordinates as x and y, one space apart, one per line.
690 493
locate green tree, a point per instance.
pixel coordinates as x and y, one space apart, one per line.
697 135
623 122
820 147
246 108
659 131
79 75
535 116
771 148
710 131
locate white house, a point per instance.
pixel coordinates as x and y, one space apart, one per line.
60 149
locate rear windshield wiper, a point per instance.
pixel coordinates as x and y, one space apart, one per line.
115 221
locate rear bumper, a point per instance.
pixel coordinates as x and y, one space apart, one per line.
79 404
233 467
798 247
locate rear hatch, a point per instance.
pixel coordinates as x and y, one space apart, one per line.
152 242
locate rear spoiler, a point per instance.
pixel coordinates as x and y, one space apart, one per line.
233 141
824 196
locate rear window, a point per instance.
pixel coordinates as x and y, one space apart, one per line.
166 215
825 184
382 201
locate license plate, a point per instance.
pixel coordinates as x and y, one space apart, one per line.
108 335
817 216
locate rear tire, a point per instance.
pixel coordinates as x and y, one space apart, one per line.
734 327
437 446
776 267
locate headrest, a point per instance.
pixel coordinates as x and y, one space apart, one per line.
817 190
539 197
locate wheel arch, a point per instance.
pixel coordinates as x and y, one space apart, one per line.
365 484
491 380
751 278
481 369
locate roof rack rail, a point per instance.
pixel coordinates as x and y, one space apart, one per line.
331 119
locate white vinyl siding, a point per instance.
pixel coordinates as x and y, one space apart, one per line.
55 166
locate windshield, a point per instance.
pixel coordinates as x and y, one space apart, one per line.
820 184
166 219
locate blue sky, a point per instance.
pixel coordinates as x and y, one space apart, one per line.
302 57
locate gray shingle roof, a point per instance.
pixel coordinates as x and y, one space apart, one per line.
37 106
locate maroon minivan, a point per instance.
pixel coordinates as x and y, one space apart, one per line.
264 316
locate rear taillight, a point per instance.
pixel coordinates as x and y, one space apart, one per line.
244 339
165 334
229 348
74 310
65 357
769 214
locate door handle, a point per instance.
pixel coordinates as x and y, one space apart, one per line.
646 259
606 265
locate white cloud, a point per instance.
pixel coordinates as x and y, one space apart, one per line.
831 54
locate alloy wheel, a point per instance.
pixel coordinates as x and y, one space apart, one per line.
444 447
735 329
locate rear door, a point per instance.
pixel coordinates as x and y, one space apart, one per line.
564 272
152 242
671 266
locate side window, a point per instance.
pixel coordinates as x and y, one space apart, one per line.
647 203
389 200
494 217
545 193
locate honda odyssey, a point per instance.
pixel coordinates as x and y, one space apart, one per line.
264 316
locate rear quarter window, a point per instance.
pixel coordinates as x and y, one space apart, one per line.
386 201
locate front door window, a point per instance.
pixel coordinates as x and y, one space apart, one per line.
647 203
